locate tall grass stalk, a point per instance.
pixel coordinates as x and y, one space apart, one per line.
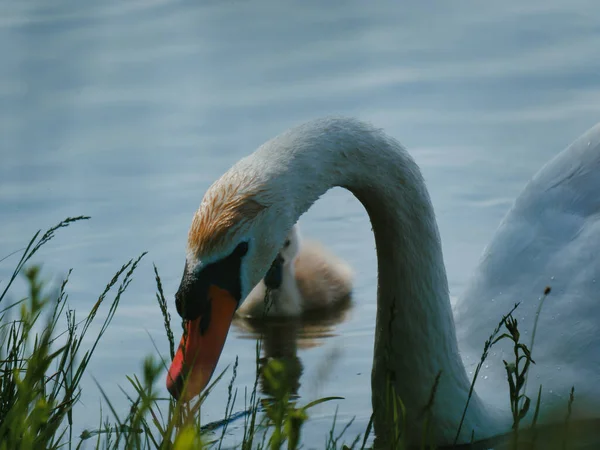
486 348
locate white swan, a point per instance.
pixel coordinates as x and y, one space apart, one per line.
550 236
309 279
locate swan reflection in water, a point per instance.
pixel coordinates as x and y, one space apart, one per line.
282 337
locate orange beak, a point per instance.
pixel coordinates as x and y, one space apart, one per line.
198 353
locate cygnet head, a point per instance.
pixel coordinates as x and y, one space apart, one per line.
291 246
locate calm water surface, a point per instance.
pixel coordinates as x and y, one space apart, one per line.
128 111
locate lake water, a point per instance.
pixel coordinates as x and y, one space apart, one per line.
128 111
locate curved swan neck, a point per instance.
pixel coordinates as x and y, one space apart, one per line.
317 156
415 336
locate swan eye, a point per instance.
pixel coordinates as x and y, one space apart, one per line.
286 244
241 249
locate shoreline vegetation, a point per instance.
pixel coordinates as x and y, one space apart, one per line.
42 363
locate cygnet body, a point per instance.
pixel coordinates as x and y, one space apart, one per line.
304 278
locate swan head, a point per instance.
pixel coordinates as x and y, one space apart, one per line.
235 236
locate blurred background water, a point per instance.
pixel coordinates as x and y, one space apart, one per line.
128 110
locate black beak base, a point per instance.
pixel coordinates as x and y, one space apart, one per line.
192 299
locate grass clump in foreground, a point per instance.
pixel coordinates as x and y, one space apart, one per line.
43 363
41 367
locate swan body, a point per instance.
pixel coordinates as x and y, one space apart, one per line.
551 236
312 279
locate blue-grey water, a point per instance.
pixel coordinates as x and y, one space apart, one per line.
128 110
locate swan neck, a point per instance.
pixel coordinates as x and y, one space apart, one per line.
415 338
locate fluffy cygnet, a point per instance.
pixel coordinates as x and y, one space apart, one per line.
304 278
